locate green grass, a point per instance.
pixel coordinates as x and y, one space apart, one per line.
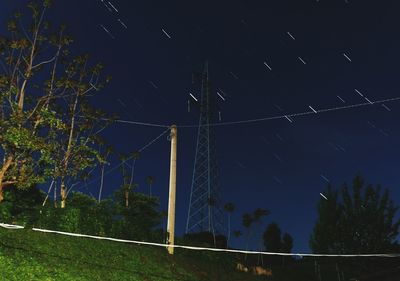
29 255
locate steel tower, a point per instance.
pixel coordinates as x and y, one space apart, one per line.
205 210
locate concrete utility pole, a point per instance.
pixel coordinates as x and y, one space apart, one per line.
172 191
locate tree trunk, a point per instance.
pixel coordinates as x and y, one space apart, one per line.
3 171
55 196
63 192
1 194
101 182
127 198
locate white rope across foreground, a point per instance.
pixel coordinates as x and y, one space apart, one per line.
9 226
213 249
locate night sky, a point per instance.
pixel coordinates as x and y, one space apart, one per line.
277 164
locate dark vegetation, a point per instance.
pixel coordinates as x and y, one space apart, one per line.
85 215
50 134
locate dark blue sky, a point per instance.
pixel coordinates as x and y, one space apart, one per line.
273 164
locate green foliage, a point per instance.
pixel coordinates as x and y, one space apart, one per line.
34 256
21 206
47 127
358 221
138 219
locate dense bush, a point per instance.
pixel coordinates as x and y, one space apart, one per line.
83 214
21 206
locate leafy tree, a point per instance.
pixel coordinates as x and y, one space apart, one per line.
47 128
363 221
138 219
21 206
24 116
229 208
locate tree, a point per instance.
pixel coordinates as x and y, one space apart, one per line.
272 238
325 238
25 152
135 155
287 246
21 206
287 243
258 215
229 208
361 222
150 181
247 221
47 128
237 233
106 153
138 219
275 242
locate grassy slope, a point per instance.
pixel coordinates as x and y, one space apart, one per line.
29 255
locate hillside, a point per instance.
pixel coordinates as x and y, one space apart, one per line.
29 255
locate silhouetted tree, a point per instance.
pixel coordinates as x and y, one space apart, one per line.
363 221
247 221
237 233
287 246
150 181
229 208
272 238
326 236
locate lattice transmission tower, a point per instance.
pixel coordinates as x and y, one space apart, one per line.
205 205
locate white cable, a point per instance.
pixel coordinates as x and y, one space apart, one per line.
136 123
11 226
129 158
260 119
213 249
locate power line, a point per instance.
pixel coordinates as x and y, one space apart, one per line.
129 158
137 123
247 121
